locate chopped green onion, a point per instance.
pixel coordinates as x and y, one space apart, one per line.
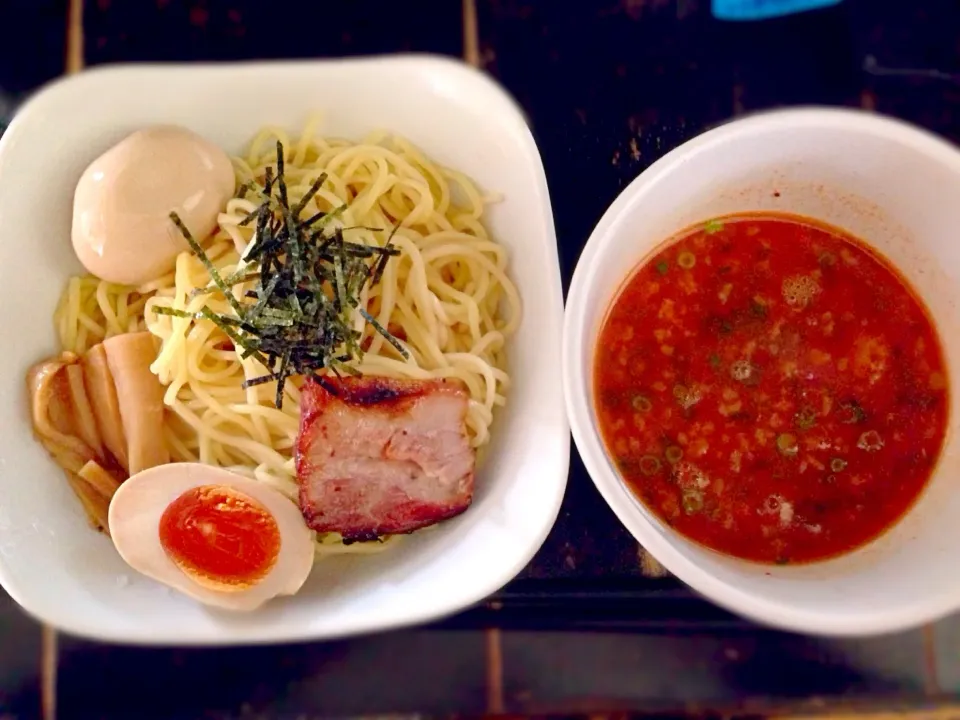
662 267
641 403
714 360
838 464
854 412
692 502
627 465
713 226
806 418
687 397
673 454
744 371
870 441
649 465
686 260
758 309
787 444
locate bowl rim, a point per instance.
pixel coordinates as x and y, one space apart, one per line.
41 101
589 445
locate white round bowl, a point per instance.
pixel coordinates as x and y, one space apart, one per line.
896 188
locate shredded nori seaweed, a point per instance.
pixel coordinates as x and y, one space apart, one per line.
309 279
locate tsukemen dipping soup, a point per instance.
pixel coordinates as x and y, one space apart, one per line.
771 388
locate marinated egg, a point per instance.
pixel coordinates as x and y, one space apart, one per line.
122 230
211 534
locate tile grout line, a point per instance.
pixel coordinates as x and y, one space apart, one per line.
931 684
947 711
494 652
48 673
74 37
471 34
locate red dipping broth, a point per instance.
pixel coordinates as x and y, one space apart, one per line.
771 388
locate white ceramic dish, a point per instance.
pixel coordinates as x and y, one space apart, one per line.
889 184
70 577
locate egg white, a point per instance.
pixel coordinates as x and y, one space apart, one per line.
134 520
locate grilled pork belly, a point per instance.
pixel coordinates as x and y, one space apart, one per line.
377 456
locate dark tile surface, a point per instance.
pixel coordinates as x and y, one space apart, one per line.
19 662
910 64
33 47
946 645
552 671
167 30
34 43
433 672
600 548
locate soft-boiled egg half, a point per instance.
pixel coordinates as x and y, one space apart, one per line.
211 534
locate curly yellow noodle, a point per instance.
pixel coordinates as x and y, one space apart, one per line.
91 310
447 295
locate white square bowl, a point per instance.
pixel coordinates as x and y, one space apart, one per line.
62 572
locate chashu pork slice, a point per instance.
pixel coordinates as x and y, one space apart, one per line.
377 456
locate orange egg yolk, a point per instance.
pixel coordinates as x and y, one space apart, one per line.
221 538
